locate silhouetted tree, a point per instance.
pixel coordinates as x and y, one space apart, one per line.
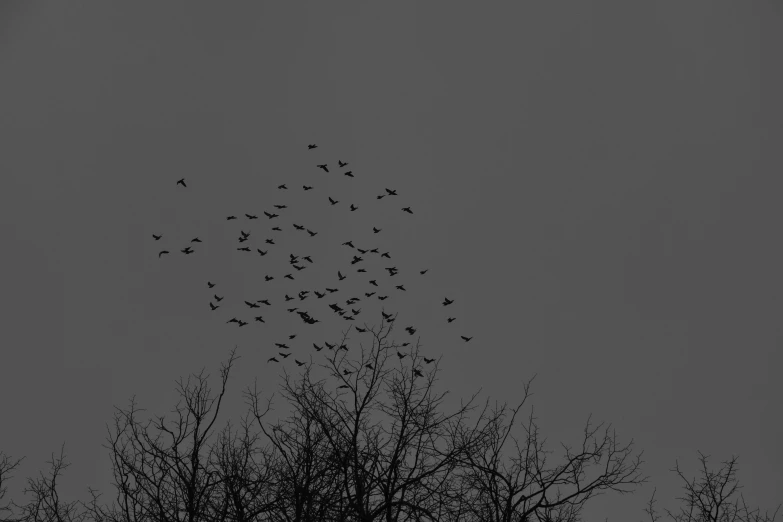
709 500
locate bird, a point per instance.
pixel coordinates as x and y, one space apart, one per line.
361 329
323 166
163 252
260 319
451 319
269 241
195 240
308 258
244 234
218 298
210 284
343 386
298 227
229 218
349 243
447 302
156 237
311 232
376 230
391 192
312 146
340 275
264 301
400 287
381 196
242 323
284 355
268 278
292 336
408 210
418 373
272 359
382 297
282 187
330 346
232 320
332 290
280 207
289 276
401 355
262 252
270 216
368 365
187 250
424 271
182 182
306 187
213 306
349 174
244 249
428 361
466 339
282 345
341 163
333 202
250 216
354 207
278 229
251 305
299 363
318 348
386 255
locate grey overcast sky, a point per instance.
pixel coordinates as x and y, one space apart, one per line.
595 183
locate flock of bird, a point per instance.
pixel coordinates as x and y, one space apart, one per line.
297 262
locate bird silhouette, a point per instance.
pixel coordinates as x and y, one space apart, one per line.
260 319
307 258
341 163
292 336
333 202
187 250
244 234
244 249
401 355
424 271
349 174
428 361
283 355
229 218
451 319
262 252
373 282
313 146
418 373
362 251
163 252
311 232
264 301
356 259
278 229
250 216
447 302
272 359
232 320
282 187
182 182
306 187
298 227
299 363
332 290
213 306
289 276
210 284
251 305
370 294
408 210
195 240
318 348
374 250
382 297
361 329
282 345
323 166
391 192
280 207
156 237
340 275
242 323
269 241
368 365
381 196
466 339
400 287
349 243
386 255
376 230
268 278
270 216
218 298
354 207
343 386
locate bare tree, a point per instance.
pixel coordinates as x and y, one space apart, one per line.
6 467
526 490
709 500
396 470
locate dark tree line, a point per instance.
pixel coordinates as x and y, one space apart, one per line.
369 442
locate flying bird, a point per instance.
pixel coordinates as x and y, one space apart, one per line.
213 306
361 329
323 166
250 216
282 187
298 227
349 243
466 339
312 146
270 216
289 276
376 230
386 255
418 373
424 271
340 275
242 323
391 192
451 319
187 250
311 232
401 355
272 359
195 240
318 348
447 302
182 182
268 278
283 355
163 252
343 386
368 365
400 287
264 301
260 319
232 320
282 345
292 336
218 298
210 284
428 361
307 258
156 237
229 218
251 305
299 363
333 202
262 252
306 187
408 210
341 163
278 229
349 174
244 234
353 207
244 249
269 241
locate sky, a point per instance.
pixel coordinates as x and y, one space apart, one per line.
595 183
